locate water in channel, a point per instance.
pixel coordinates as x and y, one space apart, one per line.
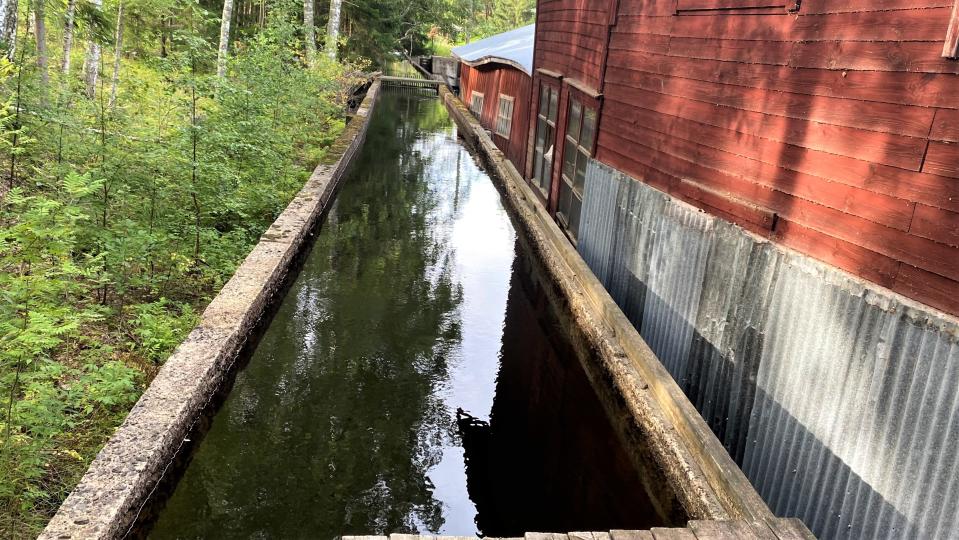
417 301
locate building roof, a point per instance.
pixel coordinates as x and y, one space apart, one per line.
514 48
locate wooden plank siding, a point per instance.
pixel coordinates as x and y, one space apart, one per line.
571 38
841 118
492 80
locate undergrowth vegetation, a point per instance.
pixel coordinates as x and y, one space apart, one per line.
145 145
119 222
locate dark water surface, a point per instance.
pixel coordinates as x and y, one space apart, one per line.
417 300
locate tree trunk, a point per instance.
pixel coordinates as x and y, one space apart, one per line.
118 52
40 25
309 31
472 22
91 68
8 28
225 21
68 36
333 30
91 65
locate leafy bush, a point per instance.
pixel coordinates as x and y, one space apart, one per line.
118 225
160 327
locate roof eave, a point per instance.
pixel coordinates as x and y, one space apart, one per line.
493 60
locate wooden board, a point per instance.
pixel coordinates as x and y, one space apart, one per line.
684 5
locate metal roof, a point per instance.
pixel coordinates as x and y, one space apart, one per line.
514 48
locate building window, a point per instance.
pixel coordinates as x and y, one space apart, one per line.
951 49
580 133
545 138
476 104
504 117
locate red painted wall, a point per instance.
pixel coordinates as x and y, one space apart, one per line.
493 80
841 119
571 38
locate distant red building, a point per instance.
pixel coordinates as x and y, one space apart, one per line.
495 81
829 126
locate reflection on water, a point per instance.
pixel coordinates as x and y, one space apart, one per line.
548 460
344 420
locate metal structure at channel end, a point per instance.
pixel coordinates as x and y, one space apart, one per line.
410 85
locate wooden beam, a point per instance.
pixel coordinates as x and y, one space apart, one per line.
691 5
951 48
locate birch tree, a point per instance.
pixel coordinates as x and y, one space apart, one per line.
333 30
8 28
309 31
40 26
225 21
118 52
68 35
91 65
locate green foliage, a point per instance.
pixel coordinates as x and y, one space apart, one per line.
44 284
380 27
456 22
159 327
119 225
496 16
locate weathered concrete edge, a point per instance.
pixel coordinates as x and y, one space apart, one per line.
708 482
121 478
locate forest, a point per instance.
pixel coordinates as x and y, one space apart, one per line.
145 145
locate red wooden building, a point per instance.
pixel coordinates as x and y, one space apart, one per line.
812 129
495 80
829 126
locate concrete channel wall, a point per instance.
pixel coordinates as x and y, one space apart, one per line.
644 403
122 477
838 399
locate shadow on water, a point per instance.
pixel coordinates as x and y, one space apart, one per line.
548 459
411 304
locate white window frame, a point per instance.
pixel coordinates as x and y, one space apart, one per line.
504 124
951 48
473 95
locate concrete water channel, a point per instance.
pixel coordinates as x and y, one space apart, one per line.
415 302
438 362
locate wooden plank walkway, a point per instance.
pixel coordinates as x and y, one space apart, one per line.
775 529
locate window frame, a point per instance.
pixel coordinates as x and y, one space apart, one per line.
576 156
951 47
540 177
736 7
503 98
482 103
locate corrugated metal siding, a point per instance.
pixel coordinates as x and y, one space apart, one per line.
839 400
